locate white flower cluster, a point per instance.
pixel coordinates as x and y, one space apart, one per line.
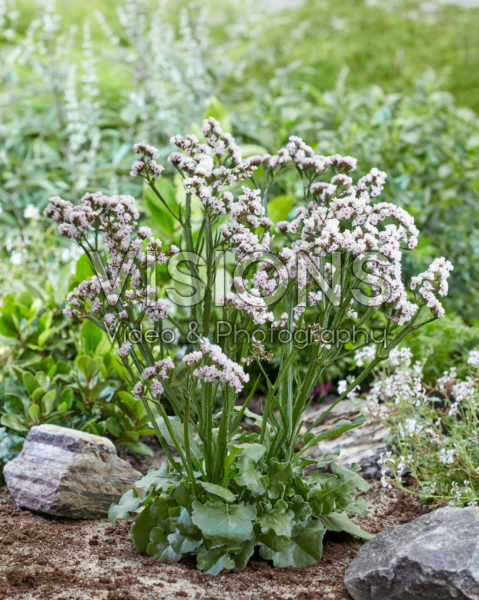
154 377
337 216
473 359
419 417
146 165
399 381
216 366
246 214
253 305
212 167
433 281
116 217
365 355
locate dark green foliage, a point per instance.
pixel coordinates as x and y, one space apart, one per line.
10 446
442 345
71 378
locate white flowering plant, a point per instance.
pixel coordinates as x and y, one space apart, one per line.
235 480
433 429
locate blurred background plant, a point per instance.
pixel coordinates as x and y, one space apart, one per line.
81 84
432 429
393 83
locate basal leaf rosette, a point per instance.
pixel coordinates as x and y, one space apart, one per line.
270 507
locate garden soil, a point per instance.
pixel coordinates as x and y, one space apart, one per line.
44 557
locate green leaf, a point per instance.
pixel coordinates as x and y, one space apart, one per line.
160 478
276 527
34 413
183 545
213 561
91 337
253 451
357 506
224 523
248 476
83 268
37 395
44 337
218 111
279 475
279 521
218 490
66 399
127 504
113 426
178 431
338 428
150 517
279 208
341 522
14 422
48 402
7 327
242 557
332 492
304 550
159 547
89 366
159 213
252 150
29 382
139 448
359 482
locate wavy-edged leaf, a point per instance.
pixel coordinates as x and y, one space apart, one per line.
127 504
304 550
224 523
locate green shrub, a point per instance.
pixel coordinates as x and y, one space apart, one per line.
65 377
10 446
442 345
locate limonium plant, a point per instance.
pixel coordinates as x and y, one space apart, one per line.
235 480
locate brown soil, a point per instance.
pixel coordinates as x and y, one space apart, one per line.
43 557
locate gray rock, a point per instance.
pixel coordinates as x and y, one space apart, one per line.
68 473
362 445
434 557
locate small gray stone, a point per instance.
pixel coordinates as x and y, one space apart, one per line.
68 473
434 557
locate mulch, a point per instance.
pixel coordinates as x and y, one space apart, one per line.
45 557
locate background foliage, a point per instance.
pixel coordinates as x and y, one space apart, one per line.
394 83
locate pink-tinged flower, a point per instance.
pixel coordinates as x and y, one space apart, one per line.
193 357
216 366
156 388
149 372
125 349
144 232
146 150
431 282
138 390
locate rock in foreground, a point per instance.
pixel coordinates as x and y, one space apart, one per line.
68 473
434 557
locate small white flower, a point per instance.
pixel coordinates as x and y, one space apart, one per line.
473 359
31 212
